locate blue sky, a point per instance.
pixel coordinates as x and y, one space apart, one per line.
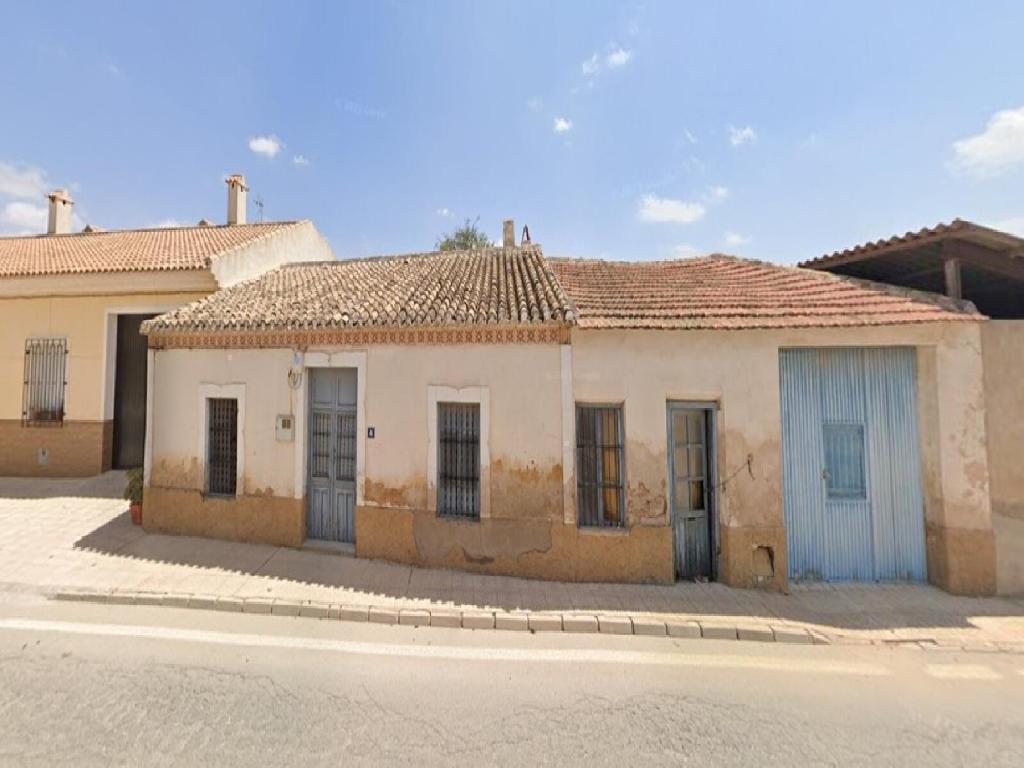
622 130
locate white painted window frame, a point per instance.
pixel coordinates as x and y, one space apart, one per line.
472 395
323 359
209 392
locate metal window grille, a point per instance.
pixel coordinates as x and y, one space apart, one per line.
222 446
458 461
45 381
345 453
600 490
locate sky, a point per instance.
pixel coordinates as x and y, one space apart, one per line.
636 131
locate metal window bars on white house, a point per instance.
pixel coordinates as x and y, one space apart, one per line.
222 446
458 460
45 381
599 462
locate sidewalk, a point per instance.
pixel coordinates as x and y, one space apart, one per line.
71 536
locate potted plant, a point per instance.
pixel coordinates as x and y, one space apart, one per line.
133 493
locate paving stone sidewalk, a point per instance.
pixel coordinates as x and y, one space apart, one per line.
73 538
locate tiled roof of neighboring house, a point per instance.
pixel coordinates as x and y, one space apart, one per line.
958 228
130 250
494 286
725 292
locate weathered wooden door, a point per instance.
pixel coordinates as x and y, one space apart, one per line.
851 467
331 494
130 393
691 493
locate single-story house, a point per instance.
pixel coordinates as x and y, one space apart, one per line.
985 266
72 362
500 411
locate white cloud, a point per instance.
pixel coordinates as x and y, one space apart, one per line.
169 224
445 213
267 146
994 150
24 183
300 160
562 125
666 210
740 136
735 239
593 66
21 218
618 58
717 193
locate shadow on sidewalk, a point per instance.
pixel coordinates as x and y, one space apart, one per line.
840 606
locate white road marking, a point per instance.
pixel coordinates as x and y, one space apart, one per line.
453 653
962 672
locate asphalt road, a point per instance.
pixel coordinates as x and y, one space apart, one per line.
92 685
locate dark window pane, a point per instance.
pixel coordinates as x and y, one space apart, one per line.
599 466
222 451
458 460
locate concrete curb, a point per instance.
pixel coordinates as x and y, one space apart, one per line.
515 621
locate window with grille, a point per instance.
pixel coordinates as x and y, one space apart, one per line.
600 491
45 381
458 460
222 446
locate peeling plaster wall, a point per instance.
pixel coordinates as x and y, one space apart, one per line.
739 370
1003 351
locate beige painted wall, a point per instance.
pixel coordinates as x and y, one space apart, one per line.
83 321
301 243
1003 350
740 371
525 431
528 414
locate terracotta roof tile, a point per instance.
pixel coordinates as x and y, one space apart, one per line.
725 292
493 286
130 250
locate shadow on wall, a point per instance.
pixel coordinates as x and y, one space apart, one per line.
853 607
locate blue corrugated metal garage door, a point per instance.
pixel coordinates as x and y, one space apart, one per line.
851 470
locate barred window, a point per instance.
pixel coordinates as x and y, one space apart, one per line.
45 381
222 445
600 493
458 461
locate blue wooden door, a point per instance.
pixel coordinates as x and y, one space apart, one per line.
331 486
851 467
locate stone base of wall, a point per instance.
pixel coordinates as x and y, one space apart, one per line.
961 561
1009 538
537 549
252 519
76 449
754 557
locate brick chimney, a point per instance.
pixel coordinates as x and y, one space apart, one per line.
508 234
236 199
59 221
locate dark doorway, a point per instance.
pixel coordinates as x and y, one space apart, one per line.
130 393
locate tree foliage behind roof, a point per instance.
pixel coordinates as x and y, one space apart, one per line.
465 238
